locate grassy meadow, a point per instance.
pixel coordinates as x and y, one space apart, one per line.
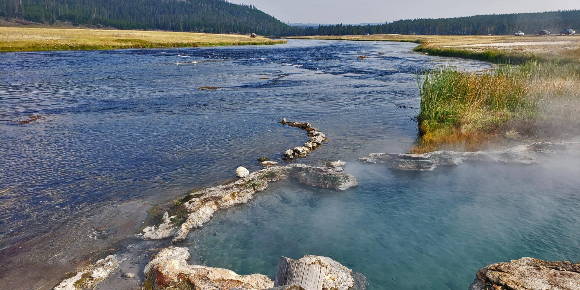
532 94
23 38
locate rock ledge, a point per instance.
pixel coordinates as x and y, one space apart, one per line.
528 274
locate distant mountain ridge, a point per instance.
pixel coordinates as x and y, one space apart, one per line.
211 16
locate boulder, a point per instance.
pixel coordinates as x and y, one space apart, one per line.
317 273
301 151
242 172
528 274
169 270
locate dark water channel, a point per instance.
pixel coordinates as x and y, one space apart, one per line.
120 131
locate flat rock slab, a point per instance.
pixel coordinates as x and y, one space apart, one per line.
522 154
528 274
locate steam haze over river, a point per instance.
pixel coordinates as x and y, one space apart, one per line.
121 131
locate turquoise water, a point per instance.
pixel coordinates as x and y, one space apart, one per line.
429 230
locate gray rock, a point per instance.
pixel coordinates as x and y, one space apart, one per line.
522 154
301 151
318 273
202 204
314 141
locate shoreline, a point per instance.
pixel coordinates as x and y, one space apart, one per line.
26 39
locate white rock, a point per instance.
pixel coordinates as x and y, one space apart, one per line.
96 273
162 231
242 172
268 163
289 154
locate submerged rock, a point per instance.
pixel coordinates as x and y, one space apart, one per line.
528 274
169 269
89 277
522 154
199 206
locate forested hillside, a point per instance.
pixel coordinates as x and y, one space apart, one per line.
529 23
212 16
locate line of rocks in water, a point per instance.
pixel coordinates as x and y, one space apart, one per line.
169 269
315 139
199 206
522 154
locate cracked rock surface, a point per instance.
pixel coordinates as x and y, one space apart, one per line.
528 274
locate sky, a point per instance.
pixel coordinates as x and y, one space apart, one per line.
380 11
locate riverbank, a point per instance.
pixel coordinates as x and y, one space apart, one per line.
531 95
25 38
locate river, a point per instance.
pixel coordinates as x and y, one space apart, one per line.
117 132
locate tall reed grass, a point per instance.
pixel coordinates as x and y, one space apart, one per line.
470 109
467 108
491 55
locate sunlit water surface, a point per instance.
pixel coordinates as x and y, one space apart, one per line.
133 125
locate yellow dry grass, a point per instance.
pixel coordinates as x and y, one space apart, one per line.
536 44
52 38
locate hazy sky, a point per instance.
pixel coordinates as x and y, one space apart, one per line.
379 11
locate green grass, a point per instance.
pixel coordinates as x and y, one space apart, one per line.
468 110
490 55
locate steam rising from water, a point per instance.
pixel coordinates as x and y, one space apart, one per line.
408 230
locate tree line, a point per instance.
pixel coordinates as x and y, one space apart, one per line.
211 16
529 23
220 16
